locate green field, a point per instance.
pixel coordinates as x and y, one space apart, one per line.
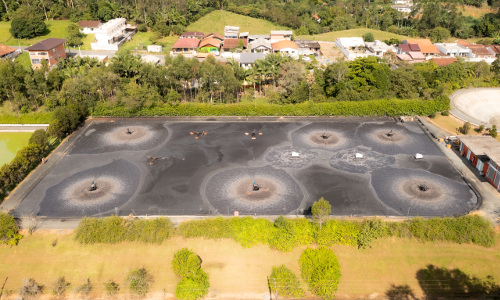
216 20
24 60
234 271
142 40
56 29
10 143
358 32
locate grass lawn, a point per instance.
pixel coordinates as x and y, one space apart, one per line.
56 29
143 39
476 12
216 20
234 271
358 32
450 124
10 143
24 59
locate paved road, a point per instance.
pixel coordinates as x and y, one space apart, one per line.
490 207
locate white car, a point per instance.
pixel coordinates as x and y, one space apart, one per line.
306 58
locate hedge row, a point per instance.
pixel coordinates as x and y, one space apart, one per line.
31 118
285 234
115 229
9 232
384 107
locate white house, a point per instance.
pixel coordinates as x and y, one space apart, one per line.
89 26
155 48
453 49
379 48
110 36
286 48
261 45
231 32
351 47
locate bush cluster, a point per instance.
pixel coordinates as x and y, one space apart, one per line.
9 232
383 107
194 282
115 229
321 271
285 234
285 283
30 118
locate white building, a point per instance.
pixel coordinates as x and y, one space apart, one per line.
231 32
286 47
453 49
87 27
110 36
155 48
402 5
351 47
379 48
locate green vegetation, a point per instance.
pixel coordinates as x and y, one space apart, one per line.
320 210
139 281
9 232
331 36
283 281
24 60
321 271
185 262
55 29
216 20
194 282
10 143
29 118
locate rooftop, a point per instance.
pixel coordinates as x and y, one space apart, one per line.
214 35
284 44
195 34
307 44
46 45
89 24
233 43
210 42
482 145
425 45
186 43
444 61
261 42
250 58
4 50
409 47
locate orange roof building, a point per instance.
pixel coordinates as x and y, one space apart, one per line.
210 42
6 51
426 46
286 47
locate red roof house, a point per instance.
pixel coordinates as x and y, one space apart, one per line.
185 46
6 51
52 50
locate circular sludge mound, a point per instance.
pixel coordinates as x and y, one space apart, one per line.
360 160
135 134
326 136
477 105
92 191
262 190
421 193
290 157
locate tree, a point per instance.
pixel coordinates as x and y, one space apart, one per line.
285 283
40 138
194 286
9 232
139 281
185 262
439 34
368 37
321 271
466 128
30 289
27 23
74 35
85 288
321 210
59 286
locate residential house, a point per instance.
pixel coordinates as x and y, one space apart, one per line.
7 52
155 48
495 49
254 37
192 35
210 45
404 6
244 35
281 35
52 50
185 46
89 26
110 36
213 35
477 50
406 48
453 50
247 60
231 32
286 47
483 152
426 46
411 57
351 47
379 48
231 44
444 61
260 45
307 47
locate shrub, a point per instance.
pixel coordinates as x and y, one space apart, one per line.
40 138
139 281
338 232
493 131
445 113
9 232
185 262
111 288
368 37
285 282
59 286
142 28
432 115
85 288
465 128
194 286
320 266
371 230
30 288
320 210
480 129
290 233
